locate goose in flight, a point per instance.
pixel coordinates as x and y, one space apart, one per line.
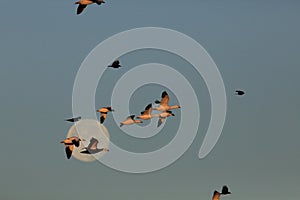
103 113
163 116
146 114
216 195
74 119
69 143
115 64
239 92
84 3
130 120
92 147
164 103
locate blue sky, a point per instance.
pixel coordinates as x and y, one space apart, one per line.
255 45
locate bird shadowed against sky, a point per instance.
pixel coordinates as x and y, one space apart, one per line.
255 45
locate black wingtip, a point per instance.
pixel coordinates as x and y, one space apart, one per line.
148 106
102 120
164 94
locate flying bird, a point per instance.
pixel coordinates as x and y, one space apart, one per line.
69 143
74 119
84 3
115 64
164 103
103 113
146 114
130 120
163 116
239 92
92 147
216 195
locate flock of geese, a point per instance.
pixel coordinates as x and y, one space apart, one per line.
164 108
74 141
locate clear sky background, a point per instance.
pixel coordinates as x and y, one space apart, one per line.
254 43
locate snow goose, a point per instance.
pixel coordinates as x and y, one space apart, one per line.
130 120
146 114
164 103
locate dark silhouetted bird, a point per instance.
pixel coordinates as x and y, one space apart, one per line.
103 112
84 3
74 119
239 92
115 64
216 195
69 143
92 147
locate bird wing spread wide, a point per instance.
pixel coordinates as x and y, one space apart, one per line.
80 8
93 144
102 117
69 149
164 99
148 109
161 121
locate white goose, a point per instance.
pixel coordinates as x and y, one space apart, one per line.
146 114
69 143
163 116
84 3
164 103
130 120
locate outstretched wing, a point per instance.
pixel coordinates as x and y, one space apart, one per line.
69 150
116 63
99 2
76 142
102 117
74 119
225 190
148 109
216 195
161 121
164 99
130 117
93 144
80 8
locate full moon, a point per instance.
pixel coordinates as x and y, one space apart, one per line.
86 129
